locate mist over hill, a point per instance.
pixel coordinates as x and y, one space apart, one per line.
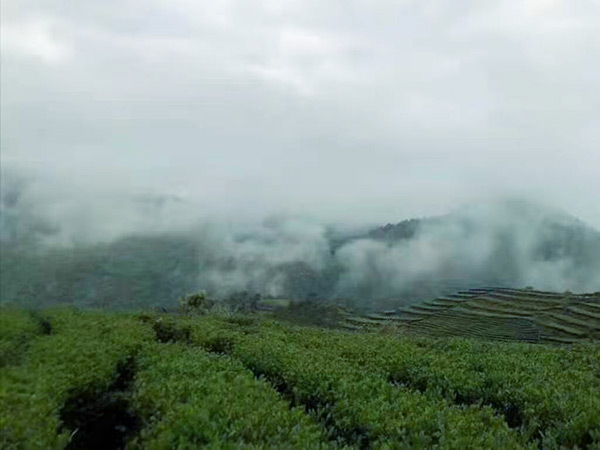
151 151
126 252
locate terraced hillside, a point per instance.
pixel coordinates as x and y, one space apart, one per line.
503 314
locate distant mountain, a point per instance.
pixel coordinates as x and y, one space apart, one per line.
533 231
508 244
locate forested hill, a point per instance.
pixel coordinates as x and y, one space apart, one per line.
552 237
129 272
511 245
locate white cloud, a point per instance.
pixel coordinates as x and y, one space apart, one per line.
378 110
35 38
539 7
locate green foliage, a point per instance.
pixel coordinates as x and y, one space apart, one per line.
231 381
79 357
356 407
125 274
17 329
310 312
194 303
168 330
188 398
243 301
550 394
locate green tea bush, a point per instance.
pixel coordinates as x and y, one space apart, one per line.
196 303
550 394
79 358
358 408
190 399
231 381
17 329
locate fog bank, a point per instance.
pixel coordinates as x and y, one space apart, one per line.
104 247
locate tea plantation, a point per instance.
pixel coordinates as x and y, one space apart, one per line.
83 379
500 314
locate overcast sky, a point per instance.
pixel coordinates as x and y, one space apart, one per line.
364 110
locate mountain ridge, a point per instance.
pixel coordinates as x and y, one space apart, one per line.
511 244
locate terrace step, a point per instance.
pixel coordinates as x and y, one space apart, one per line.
559 340
520 303
525 298
591 305
500 309
504 329
440 304
548 322
570 320
533 293
583 312
424 307
410 312
362 321
461 296
481 313
380 317
450 301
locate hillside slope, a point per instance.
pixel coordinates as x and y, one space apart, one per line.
502 314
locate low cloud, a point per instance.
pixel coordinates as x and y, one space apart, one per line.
173 248
362 112
176 118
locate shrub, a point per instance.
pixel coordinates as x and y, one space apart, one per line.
194 303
